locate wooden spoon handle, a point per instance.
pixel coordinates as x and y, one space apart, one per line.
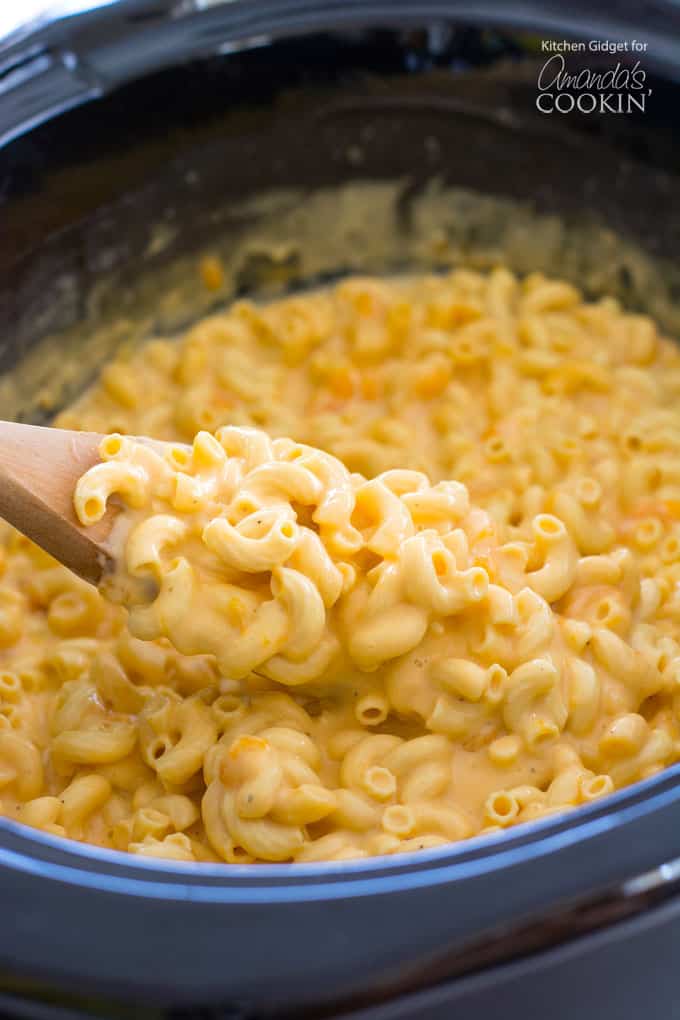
39 468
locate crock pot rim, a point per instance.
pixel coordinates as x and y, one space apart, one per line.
43 90
115 871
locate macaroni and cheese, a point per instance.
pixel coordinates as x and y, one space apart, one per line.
448 604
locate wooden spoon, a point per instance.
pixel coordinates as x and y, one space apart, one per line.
39 468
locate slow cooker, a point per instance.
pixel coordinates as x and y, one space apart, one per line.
136 135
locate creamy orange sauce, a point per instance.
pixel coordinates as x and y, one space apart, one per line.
553 684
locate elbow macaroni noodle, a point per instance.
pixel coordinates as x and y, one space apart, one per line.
331 649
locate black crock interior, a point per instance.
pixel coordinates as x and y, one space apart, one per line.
188 147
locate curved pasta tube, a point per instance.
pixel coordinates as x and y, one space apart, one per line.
408 754
426 781
21 765
102 746
114 686
175 847
422 767
268 790
293 673
147 542
557 548
549 295
359 759
457 543
501 808
437 505
402 481
263 629
81 798
335 846
510 565
389 522
409 688
492 645
303 805
180 760
584 695
272 538
254 765
355 810
335 507
282 708
655 753
566 786
206 451
456 718
72 705
440 820
460 677
387 636
253 446
104 480
42 813
536 627
305 608
371 709
431 578
387 589
266 711
592 534
176 592
117 447
259 809
216 829
310 558
189 492
294 743
266 633
502 606
284 480
625 663
180 809
525 686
